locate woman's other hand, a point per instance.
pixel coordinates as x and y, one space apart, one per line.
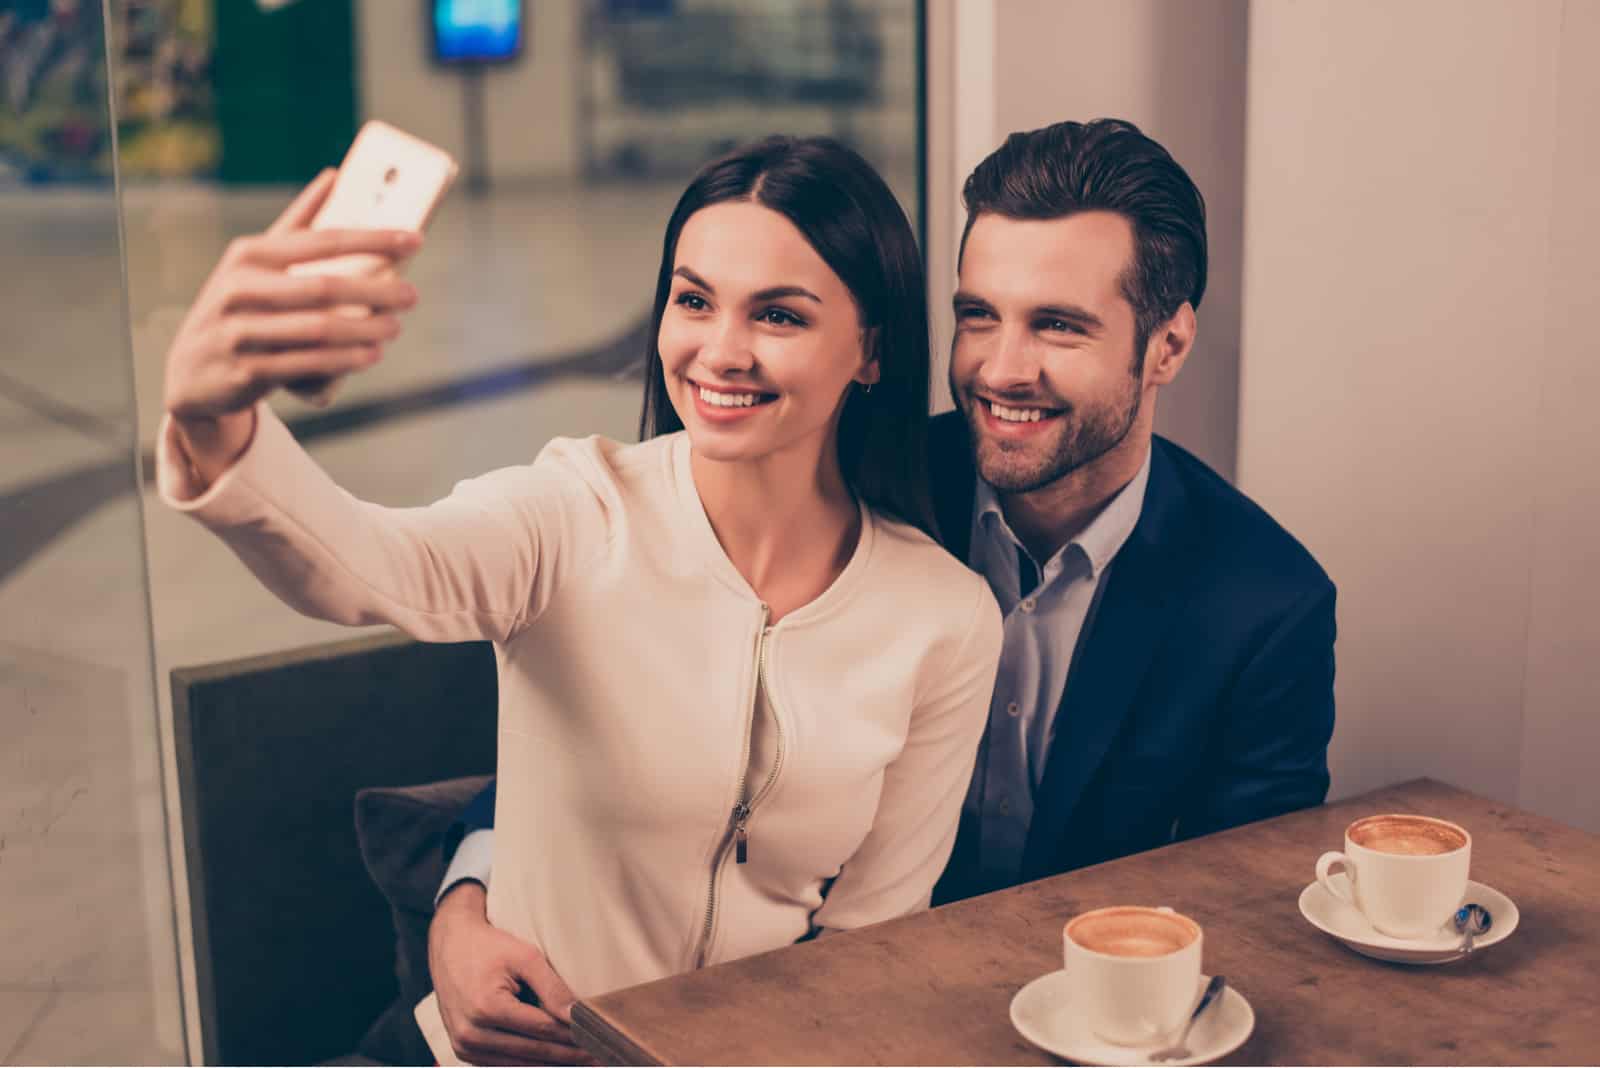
255 326
478 972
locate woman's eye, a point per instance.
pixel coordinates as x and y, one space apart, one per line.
781 317
692 301
966 314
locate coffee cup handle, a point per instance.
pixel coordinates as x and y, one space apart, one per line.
1325 865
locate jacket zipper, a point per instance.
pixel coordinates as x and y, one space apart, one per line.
741 814
738 829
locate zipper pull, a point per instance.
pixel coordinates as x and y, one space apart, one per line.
741 833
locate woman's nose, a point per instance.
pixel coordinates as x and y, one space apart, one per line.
727 351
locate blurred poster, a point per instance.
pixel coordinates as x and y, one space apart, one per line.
166 104
53 93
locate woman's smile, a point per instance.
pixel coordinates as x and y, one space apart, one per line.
722 405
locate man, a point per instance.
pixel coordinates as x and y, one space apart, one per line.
1168 660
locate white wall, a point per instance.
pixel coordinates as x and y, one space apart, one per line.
1177 70
1561 711
1419 232
530 107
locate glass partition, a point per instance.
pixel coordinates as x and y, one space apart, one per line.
89 969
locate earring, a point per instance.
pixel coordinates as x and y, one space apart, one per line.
867 388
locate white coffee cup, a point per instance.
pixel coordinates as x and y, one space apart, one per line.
1408 874
1133 973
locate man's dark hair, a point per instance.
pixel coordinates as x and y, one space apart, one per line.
1105 165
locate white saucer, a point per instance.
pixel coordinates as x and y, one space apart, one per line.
1039 1013
1346 923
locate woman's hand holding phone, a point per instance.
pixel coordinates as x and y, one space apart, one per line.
255 326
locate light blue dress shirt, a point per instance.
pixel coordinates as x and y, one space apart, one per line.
1044 620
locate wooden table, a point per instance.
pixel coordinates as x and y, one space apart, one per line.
935 988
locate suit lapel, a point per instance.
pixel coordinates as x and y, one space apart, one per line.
1112 661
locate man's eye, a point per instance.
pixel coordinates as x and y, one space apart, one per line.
1059 326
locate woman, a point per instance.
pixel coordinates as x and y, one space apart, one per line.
741 687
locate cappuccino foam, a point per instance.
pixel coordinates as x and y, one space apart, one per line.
1131 931
1412 836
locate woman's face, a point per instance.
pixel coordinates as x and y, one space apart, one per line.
759 339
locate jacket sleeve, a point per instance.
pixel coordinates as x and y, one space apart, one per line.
481 563
477 816
1270 755
893 872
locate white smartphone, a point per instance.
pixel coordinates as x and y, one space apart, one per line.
389 180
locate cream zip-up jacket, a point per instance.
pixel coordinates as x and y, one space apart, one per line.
632 657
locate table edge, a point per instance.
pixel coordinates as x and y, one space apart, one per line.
605 1042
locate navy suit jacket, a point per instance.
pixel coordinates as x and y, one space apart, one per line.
1202 696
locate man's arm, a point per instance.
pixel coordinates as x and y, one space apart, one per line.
1271 755
469 844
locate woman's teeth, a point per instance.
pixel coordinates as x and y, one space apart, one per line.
1016 415
729 400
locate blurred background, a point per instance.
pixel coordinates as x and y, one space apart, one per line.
1396 359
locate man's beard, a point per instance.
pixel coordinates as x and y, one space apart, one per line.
1085 436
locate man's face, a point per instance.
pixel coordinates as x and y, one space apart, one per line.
1044 363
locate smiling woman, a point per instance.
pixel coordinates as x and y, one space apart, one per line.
685 616
747 348
821 287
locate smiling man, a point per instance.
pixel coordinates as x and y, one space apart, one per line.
1168 661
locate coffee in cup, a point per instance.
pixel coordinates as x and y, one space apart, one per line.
1411 836
1133 973
1407 874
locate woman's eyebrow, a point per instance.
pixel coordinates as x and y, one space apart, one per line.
779 292
694 279
770 293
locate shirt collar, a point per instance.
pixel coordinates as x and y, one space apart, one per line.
1105 534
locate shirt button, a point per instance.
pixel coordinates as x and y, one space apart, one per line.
1012 710
1028 604
1005 805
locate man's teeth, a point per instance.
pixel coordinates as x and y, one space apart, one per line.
729 400
1016 415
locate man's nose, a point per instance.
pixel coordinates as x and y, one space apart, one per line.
1009 364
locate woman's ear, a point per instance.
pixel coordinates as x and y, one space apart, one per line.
869 371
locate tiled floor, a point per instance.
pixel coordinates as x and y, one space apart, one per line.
20 1013
525 277
87 924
